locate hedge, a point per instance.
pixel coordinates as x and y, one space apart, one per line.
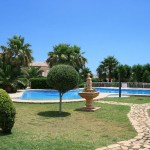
39 83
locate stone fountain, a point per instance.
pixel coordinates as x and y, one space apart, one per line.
89 94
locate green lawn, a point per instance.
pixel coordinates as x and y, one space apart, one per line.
39 127
132 99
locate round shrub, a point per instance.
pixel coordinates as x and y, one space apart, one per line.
63 78
7 112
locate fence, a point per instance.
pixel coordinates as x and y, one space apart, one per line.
124 84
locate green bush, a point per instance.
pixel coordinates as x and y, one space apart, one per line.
39 83
95 80
63 78
81 85
7 112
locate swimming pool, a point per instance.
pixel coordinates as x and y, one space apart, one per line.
49 95
73 94
127 91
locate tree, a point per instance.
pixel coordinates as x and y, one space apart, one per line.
124 71
137 73
84 73
106 68
66 54
17 52
62 78
146 76
146 73
101 72
16 55
8 77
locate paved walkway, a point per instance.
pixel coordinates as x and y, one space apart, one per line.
141 122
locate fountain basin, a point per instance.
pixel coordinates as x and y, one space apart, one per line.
89 99
88 95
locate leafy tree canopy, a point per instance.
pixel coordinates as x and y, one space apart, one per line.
124 71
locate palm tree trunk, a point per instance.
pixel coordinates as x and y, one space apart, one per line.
110 74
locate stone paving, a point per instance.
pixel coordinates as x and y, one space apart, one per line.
141 122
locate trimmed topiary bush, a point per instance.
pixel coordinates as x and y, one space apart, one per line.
7 112
63 78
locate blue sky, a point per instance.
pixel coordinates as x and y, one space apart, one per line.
101 28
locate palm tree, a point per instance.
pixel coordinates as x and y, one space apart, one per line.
17 53
107 66
66 54
9 77
31 72
84 73
102 73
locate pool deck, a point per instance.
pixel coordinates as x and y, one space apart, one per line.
15 98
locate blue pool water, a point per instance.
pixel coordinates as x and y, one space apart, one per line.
125 91
49 95
73 94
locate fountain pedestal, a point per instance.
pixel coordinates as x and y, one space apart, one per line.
89 93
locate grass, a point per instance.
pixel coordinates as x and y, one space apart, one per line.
40 127
132 99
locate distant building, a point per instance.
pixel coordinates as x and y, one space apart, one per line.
43 67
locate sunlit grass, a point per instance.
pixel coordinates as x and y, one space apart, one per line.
132 99
39 126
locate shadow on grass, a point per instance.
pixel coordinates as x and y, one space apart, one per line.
53 114
4 134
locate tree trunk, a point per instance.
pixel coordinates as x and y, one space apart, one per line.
8 88
60 102
109 76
